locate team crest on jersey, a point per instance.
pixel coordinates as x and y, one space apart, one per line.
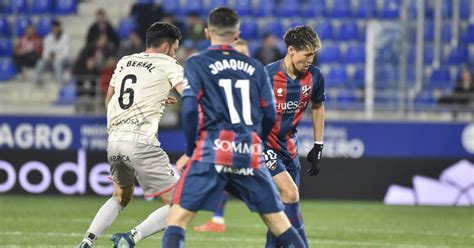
306 89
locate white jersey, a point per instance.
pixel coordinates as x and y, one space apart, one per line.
142 83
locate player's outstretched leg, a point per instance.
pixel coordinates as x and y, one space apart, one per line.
217 224
286 235
107 214
290 198
154 223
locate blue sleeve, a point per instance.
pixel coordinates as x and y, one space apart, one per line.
192 86
267 104
190 120
318 94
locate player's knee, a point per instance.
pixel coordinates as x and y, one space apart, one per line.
290 195
123 197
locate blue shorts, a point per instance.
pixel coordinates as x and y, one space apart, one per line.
201 185
276 165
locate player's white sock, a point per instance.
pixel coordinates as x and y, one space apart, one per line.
218 220
154 223
104 217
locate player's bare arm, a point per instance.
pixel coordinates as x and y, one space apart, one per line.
317 117
110 93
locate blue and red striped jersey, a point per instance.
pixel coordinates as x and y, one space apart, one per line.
231 90
292 97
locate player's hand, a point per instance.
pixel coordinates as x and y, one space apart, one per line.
182 162
171 100
314 157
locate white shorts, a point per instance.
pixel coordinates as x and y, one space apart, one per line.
149 164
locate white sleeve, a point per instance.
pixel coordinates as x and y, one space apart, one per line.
47 47
175 74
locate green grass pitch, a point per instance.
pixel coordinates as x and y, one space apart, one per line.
39 221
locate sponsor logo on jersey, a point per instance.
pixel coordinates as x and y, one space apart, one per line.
130 121
306 89
290 107
237 147
234 170
280 92
118 157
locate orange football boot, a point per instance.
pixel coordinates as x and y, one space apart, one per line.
210 226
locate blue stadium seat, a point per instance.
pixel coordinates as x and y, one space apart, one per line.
126 25
425 98
20 25
288 8
7 69
243 7
41 7
469 37
365 9
248 29
5 29
324 30
264 8
297 22
67 94
171 6
143 1
336 78
346 99
347 31
447 8
6 48
390 9
215 3
194 6
65 7
355 53
313 8
43 26
429 31
254 45
330 54
428 55
446 32
465 9
358 80
274 26
340 8
16 6
411 76
202 45
458 55
440 78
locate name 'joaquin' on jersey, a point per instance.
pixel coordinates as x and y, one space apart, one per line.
231 89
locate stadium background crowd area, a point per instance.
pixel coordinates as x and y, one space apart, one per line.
341 24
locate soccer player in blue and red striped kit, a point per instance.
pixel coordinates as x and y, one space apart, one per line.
228 106
295 83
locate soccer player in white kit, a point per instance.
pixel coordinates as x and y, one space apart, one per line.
135 101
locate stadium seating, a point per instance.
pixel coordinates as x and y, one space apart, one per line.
313 8
391 9
16 6
126 25
330 53
365 9
458 55
324 30
20 25
440 78
41 7
248 29
288 8
171 6
355 53
243 7
274 26
358 79
6 48
5 29
7 69
264 8
336 78
348 31
65 7
340 8
43 26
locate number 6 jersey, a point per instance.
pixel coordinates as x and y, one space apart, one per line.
142 83
231 90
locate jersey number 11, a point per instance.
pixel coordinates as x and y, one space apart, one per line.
243 85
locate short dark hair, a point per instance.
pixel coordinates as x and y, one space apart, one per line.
223 21
302 37
56 22
160 32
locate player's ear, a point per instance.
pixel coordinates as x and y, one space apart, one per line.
207 34
291 50
236 35
165 47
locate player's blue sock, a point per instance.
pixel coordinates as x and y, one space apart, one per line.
173 237
219 212
271 241
292 211
290 238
